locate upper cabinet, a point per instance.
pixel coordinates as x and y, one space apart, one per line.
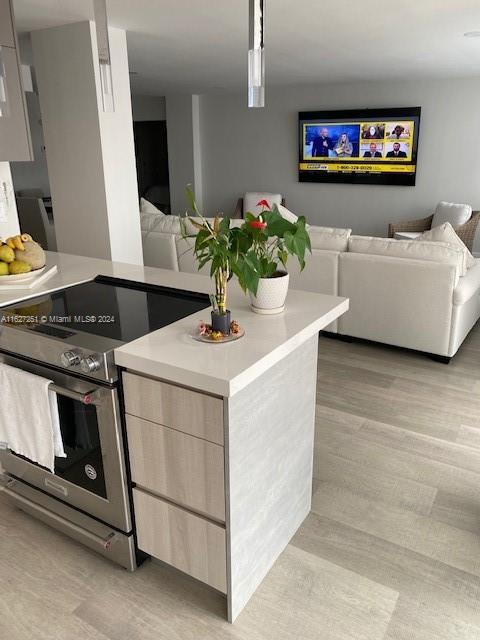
7 38
15 141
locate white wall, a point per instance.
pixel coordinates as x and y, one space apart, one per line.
90 154
147 108
8 209
184 151
256 149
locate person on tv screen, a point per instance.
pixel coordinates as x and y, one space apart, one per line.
322 144
396 153
372 132
398 132
343 148
373 153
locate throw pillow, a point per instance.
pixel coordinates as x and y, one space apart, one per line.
446 233
286 214
148 207
150 216
455 214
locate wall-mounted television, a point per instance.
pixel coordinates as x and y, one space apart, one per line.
359 146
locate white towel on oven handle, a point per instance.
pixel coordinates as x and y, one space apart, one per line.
29 419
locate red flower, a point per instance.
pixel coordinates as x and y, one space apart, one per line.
264 204
257 224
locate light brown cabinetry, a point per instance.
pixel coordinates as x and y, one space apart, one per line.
180 538
195 413
15 141
181 467
175 443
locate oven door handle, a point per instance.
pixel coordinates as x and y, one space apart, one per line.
84 398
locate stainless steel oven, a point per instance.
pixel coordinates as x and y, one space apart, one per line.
92 479
69 337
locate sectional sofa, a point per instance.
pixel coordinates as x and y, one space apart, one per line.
414 294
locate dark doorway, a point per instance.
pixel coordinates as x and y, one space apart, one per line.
151 153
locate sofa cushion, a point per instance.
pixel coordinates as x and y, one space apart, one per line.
446 233
150 216
328 238
455 214
411 249
251 199
469 285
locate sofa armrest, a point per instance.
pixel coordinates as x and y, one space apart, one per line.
423 224
399 301
468 285
467 231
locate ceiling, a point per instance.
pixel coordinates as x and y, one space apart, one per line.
199 46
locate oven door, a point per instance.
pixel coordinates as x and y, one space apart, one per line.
92 477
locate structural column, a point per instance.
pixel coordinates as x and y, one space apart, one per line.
90 153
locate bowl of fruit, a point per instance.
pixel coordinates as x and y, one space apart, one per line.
21 259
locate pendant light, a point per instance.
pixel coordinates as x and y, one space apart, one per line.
104 60
256 54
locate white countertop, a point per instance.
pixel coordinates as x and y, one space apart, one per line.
173 355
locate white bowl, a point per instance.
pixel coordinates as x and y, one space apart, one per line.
21 277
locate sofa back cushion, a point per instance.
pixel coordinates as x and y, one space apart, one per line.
328 238
455 214
252 198
410 249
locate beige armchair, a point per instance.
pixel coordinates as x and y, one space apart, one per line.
466 232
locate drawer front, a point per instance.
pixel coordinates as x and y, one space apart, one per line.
188 411
179 538
180 467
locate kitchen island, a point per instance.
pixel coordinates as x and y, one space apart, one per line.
220 435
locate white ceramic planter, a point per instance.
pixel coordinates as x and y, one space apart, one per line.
271 295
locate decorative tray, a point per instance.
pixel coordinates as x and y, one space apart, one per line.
204 333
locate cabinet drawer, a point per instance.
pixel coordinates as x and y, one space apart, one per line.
180 467
188 411
179 538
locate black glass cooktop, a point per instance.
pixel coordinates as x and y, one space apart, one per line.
109 307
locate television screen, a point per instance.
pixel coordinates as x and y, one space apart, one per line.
369 146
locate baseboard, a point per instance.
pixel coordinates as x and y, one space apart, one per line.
476 255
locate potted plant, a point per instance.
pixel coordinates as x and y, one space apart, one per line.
266 242
214 241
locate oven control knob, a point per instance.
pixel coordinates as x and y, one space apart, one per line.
90 364
70 358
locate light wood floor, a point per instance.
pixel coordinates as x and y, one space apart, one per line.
391 550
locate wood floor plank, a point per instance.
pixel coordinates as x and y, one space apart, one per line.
342 373
451 453
418 620
432 538
462 513
469 436
445 477
303 596
408 572
412 366
384 405
386 488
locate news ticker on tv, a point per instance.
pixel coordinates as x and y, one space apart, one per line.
343 167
